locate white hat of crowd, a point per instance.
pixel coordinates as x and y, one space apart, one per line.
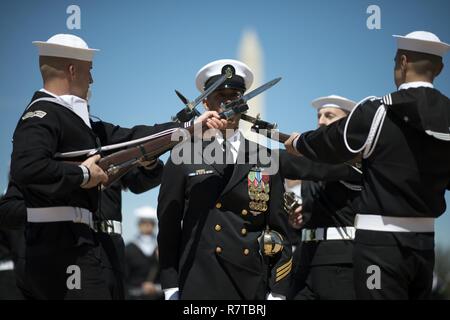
424 42
147 213
66 46
334 101
215 68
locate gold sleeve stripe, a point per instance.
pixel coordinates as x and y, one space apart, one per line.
284 271
284 266
283 275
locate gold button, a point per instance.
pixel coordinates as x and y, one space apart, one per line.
218 250
244 212
243 231
218 227
218 205
246 252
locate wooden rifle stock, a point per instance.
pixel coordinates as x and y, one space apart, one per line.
119 163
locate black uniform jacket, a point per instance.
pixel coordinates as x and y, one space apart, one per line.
301 168
329 198
208 235
46 129
328 204
408 172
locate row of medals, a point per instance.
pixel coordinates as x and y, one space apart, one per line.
270 241
259 197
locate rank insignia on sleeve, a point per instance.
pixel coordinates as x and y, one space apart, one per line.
37 113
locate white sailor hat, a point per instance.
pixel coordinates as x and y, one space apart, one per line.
422 41
242 77
146 213
334 101
65 46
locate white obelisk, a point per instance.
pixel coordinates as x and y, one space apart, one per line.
250 52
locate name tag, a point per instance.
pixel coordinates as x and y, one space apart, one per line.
200 172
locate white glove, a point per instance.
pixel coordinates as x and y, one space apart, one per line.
275 296
172 294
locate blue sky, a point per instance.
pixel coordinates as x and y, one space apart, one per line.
150 48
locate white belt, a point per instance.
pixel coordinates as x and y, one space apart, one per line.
74 214
58 214
320 234
393 224
6 265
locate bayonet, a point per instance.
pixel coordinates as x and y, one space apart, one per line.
190 110
245 98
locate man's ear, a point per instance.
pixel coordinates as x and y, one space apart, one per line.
72 71
403 62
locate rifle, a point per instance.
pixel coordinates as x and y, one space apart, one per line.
190 111
119 163
269 128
